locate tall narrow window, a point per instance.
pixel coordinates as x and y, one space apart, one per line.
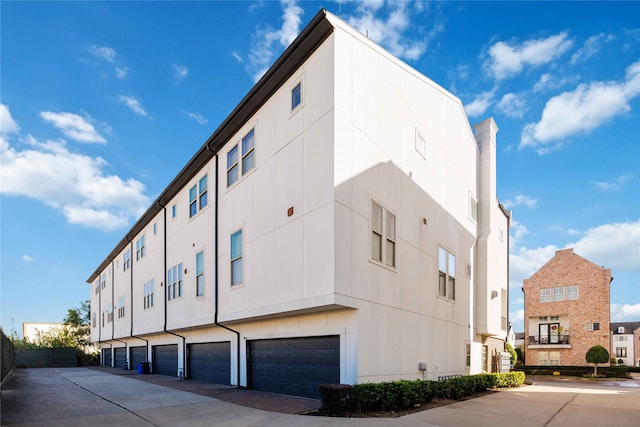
236 258
558 293
200 274
232 166
296 96
126 260
383 235
140 250
103 280
248 152
446 274
198 196
93 319
174 282
148 294
121 305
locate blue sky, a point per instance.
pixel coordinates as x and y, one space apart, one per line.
102 104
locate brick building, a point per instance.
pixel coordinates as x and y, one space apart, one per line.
567 310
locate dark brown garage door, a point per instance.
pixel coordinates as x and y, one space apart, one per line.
294 366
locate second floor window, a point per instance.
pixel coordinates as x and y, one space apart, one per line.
121 302
446 274
200 274
198 196
174 282
236 258
148 295
383 235
103 280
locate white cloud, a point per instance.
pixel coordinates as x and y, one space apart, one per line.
506 60
264 50
73 183
581 110
73 126
621 249
512 105
480 104
393 32
7 124
616 184
549 81
197 117
520 200
28 258
104 52
134 104
590 48
180 72
237 57
524 262
625 312
122 72
517 232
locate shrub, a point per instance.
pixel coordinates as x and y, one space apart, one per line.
514 355
336 398
613 361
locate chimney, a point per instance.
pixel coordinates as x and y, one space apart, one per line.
487 200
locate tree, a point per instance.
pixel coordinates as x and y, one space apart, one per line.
597 354
78 323
514 355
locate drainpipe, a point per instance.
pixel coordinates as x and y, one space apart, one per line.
216 282
183 374
131 299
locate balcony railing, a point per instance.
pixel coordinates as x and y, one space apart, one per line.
549 340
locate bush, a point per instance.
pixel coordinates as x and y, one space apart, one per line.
341 399
336 398
597 354
613 361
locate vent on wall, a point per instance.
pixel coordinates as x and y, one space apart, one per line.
621 329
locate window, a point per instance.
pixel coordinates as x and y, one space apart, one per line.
174 282
589 327
383 235
468 362
543 358
248 158
473 209
103 280
572 292
121 301
200 274
236 258
103 319
545 295
174 211
93 319
110 313
485 358
140 248
620 337
596 326
558 294
543 318
198 196
126 260
446 274
557 318
296 96
148 294
155 228
554 358
421 144
97 286
621 351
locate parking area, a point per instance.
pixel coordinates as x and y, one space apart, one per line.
99 397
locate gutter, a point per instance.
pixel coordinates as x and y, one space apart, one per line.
131 300
216 281
183 374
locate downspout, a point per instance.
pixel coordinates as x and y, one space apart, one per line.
183 374
216 282
131 300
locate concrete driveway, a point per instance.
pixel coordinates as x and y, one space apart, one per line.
89 397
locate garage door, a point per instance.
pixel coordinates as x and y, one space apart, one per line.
120 357
106 357
165 360
137 355
210 362
294 366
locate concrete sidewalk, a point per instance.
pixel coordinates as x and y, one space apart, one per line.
89 397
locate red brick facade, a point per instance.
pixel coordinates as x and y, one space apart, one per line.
567 310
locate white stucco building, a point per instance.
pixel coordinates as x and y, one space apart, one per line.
341 225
